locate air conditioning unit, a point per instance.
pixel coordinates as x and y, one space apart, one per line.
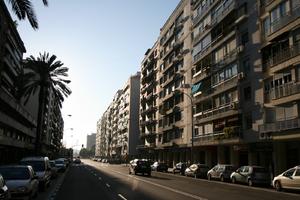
241 76
240 48
234 105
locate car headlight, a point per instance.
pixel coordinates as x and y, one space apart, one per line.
22 189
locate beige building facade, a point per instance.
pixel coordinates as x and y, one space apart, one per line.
220 85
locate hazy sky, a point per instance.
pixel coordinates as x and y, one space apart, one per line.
102 42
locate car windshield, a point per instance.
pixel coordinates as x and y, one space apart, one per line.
37 166
59 162
13 173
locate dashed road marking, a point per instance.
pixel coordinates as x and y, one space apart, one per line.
122 197
107 185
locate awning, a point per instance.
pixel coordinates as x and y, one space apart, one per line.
196 88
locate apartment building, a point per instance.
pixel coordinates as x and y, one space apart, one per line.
148 102
118 129
17 122
280 51
174 117
225 76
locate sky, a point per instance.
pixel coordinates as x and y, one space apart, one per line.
102 42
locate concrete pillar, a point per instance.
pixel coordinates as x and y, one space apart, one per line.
279 157
208 159
252 158
221 155
234 157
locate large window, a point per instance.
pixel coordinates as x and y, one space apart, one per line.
224 74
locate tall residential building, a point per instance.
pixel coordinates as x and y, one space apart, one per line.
17 122
224 86
118 128
90 141
280 51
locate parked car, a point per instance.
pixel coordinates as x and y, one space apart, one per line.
54 169
77 161
197 170
61 165
22 182
4 193
140 166
221 172
159 166
41 167
251 175
179 168
289 179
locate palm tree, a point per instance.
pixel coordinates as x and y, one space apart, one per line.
44 75
23 9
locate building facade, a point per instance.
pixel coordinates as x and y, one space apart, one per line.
17 123
220 85
118 128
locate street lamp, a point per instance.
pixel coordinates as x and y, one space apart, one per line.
192 123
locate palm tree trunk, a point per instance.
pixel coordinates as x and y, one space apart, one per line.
40 121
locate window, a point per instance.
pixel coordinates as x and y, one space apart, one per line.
289 172
247 93
246 65
244 38
297 172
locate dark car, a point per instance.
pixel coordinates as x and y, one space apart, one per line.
77 161
159 167
197 170
180 168
22 182
251 175
221 172
140 166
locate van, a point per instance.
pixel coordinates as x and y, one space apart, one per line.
42 168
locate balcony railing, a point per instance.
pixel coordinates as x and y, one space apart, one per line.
218 110
282 56
226 10
280 126
284 20
282 91
227 133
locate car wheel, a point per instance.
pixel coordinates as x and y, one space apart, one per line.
277 186
222 178
250 183
135 173
129 172
209 177
233 180
149 174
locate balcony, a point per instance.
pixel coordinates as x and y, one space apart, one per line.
284 20
225 110
226 10
279 126
283 55
228 135
282 91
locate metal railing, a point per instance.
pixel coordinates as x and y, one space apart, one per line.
220 135
283 55
283 91
226 10
280 126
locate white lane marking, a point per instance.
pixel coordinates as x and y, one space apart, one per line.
122 197
164 187
107 185
100 178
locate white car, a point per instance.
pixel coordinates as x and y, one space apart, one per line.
22 182
289 179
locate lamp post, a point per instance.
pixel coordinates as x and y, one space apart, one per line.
192 121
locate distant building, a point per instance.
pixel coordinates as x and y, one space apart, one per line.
118 129
90 141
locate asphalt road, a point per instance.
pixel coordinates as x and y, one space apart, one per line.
93 180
